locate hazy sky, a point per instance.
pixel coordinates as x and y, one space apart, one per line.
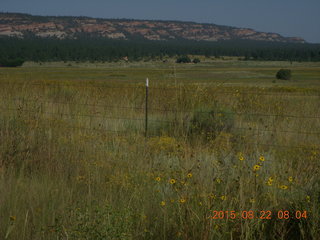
290 18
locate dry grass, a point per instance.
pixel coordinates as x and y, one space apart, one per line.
64 176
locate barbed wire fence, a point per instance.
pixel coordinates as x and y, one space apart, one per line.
41 105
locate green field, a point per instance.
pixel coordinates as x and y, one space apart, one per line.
229 72
223 135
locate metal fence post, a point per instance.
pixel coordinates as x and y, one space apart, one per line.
146 110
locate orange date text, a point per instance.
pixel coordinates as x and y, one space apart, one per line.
267 214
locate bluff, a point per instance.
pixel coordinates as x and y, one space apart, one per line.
23 25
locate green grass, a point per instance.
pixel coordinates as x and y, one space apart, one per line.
74 163
211 72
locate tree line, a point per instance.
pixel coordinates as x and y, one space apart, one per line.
100 49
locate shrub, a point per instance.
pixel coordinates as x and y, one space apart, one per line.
11 62
207 122
210 122
196 60
284 74
183 59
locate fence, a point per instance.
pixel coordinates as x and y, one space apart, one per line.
144 110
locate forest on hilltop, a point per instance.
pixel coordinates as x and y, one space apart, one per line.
101 49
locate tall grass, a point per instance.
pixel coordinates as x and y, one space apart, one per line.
74 165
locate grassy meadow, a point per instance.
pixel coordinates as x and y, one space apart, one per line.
223 135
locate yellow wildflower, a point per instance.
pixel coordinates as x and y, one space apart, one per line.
308 198
172 181
256 167
284 187
80 178
223 197
262 158
269 182
212 196
189 175
182 200
163 203
240 155
172 200
270 179
290 179
218 180
158 179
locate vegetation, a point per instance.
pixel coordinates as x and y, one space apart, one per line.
11 62
100 49
74 162
209 122
183 59
284 74
196 60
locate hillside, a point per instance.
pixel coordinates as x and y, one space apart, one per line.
23 25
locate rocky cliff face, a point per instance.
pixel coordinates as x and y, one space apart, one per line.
21 25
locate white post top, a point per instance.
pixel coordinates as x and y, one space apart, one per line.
147 82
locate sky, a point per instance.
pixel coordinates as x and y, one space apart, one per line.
290 18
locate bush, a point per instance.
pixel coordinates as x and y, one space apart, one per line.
210 122
183 59
196 60
284 74
207 122
11 62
